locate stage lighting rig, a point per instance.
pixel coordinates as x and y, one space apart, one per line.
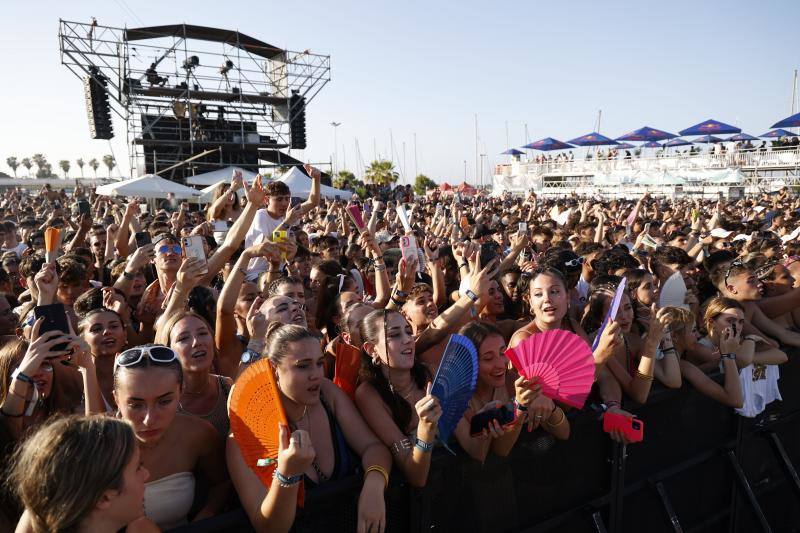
226 67
191 62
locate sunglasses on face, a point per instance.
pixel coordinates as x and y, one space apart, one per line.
134 356
167 248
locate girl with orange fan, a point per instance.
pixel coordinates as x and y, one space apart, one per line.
319 442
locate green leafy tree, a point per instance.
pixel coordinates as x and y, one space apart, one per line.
80 164
26 162
422 184
95 165
381 173
110 162
12 164
64 164
344 179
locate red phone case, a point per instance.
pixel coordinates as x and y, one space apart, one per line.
632 428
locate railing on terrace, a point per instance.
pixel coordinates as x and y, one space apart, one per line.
745 160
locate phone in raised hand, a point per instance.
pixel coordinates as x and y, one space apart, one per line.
193 247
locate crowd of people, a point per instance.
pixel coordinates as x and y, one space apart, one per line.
122 421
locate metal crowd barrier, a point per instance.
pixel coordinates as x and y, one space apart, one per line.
701 468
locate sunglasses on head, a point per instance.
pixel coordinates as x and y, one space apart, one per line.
167 248
735 264
574 262
157 354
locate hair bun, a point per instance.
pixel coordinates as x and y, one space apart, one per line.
272 327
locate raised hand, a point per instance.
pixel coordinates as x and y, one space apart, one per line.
312 172
46 281
256 194
256 321
406 273
191 271
609 340
295 451
141 257
428 410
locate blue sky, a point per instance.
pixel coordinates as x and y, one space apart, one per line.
429 67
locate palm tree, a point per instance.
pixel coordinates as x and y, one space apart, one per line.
64 164
26 162
80 164
381 173
12 164
344 179
95 165
110 162
40 161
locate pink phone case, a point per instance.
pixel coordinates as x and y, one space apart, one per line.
632 428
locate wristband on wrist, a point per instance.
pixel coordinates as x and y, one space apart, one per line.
402 294
127 275
287 482
464 265
471 295
17 374
520 407
728 356
425 447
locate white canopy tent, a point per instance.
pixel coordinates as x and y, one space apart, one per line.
224 174
207 193
149 186
300 185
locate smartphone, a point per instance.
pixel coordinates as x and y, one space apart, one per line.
84 208
193 247
733 329
55 319
523 227
480 422
632 428
142 238
408 247
295 201
487 253
337 197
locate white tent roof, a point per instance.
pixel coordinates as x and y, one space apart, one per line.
207 193
214 177
300 185
149 186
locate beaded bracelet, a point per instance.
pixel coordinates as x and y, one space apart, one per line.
643 376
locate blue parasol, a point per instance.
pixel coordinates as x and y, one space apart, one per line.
547 144
778 133
647 134
652 144
677 142
624 146
512 151
593 139
710 126
788 122
743 137
705 139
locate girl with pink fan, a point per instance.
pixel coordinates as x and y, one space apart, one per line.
634 363
394 393
491 393
549 303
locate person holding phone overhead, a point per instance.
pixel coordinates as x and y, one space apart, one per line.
267 220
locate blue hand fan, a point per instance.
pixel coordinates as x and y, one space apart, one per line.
455 382
612 311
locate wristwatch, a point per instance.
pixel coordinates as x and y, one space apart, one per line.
471 295
250 356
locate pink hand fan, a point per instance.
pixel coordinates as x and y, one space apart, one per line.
355 215
561 360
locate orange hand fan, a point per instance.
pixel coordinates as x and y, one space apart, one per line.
255 412
561 360
348 363
52 240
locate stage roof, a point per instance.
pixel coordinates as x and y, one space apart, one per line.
230 37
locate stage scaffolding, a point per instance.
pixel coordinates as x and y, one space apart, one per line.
185 90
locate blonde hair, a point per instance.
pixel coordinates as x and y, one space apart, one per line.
715 307
62 470
166 327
